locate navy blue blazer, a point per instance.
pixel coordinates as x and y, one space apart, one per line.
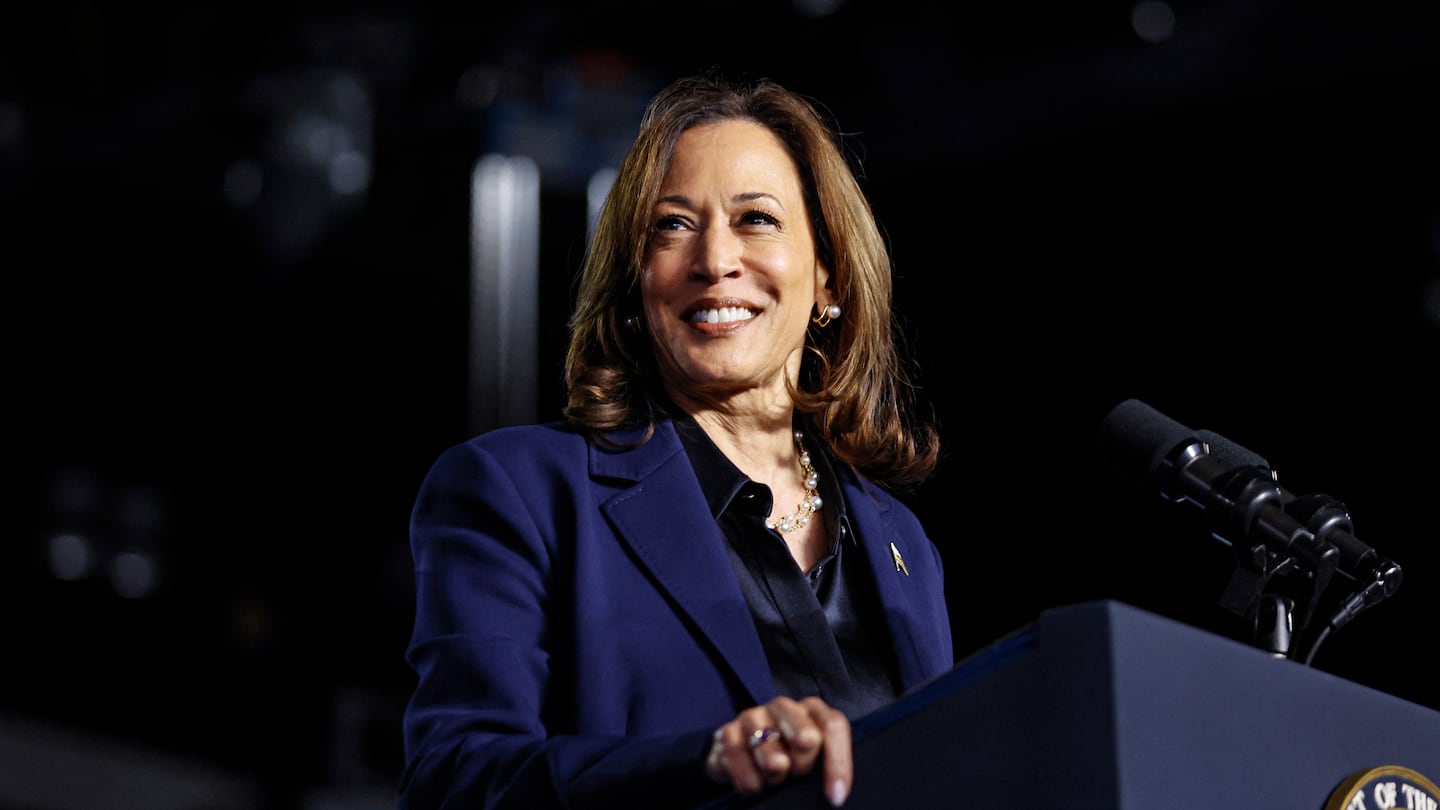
579 632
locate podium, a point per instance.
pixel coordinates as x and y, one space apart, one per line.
1103 706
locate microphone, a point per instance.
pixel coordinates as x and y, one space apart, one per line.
1236 490
1240 502
1328 519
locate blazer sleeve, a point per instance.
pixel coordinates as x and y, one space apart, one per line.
477 729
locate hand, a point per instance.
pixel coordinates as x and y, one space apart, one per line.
765 745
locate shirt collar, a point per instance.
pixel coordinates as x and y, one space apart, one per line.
721 480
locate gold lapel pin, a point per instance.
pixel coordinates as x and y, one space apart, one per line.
899 561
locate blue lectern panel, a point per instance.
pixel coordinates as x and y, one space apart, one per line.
1101 706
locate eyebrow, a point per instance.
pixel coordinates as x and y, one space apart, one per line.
744 197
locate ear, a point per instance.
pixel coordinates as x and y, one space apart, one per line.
824 291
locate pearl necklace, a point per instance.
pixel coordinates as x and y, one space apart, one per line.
808 505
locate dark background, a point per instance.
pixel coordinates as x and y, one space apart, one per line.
1232 219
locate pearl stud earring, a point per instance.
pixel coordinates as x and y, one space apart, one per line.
828 314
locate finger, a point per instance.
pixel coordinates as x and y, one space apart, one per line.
767 746
838 769
732 759
740 762
715 758
803 725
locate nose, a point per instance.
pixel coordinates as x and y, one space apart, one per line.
719 254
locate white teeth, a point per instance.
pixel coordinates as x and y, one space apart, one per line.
721 315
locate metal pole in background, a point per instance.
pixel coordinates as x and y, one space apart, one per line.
504 292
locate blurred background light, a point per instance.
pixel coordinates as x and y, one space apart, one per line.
1153 20
71 556
134 574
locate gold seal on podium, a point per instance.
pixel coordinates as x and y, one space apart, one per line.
1384 788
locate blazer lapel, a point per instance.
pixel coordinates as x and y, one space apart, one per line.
686 557
902 596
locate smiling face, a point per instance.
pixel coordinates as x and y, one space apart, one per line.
731 274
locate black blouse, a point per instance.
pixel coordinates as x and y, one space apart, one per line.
822 630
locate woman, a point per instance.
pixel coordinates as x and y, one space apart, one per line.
609 610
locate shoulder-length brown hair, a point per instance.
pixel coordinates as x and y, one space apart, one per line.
853 383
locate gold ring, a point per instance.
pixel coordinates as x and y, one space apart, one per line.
761 736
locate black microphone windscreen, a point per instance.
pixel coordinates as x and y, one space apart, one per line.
1136 436
1229 453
